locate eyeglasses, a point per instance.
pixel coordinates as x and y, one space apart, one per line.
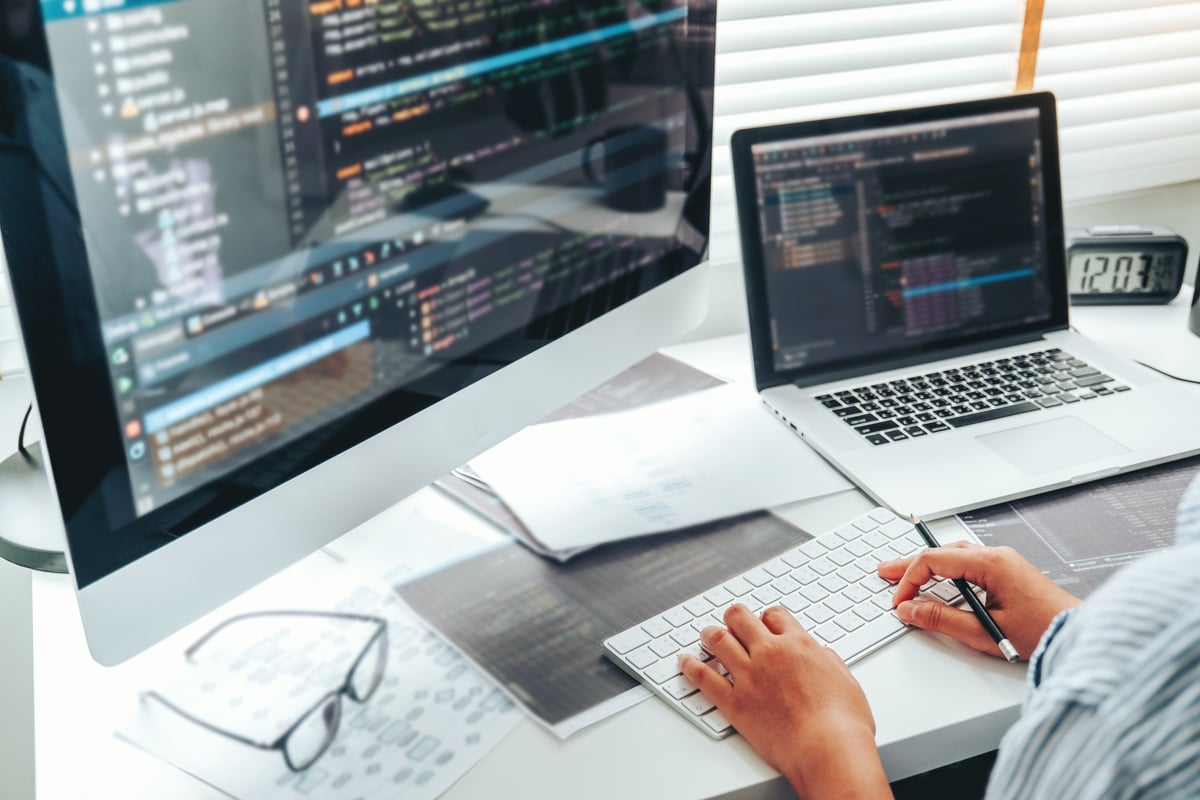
309 737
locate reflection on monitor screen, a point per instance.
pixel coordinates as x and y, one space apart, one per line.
268 250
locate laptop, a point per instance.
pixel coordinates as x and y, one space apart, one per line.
907 289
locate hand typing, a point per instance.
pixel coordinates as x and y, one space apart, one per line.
1020 598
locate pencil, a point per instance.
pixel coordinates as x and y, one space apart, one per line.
964 588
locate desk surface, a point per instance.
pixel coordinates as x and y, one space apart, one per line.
935 702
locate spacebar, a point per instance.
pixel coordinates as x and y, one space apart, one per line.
867 637
990 414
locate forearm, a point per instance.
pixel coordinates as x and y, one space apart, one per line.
838 764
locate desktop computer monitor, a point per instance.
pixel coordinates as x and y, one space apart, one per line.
278 264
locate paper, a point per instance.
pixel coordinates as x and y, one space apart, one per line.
1078 537
432 717
655 378
661 467
538 626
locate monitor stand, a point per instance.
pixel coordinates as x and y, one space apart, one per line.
30 524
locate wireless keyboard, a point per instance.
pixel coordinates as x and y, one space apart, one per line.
830 583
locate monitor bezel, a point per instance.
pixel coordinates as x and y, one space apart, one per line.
746 190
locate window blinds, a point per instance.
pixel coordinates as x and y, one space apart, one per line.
783 61
1127 77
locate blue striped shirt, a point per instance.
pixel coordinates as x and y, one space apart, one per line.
1114 703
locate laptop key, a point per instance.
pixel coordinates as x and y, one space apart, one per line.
861 419
847 411
877 427
878 438
993 413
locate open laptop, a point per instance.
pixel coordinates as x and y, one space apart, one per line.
907 289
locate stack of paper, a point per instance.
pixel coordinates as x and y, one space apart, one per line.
708 455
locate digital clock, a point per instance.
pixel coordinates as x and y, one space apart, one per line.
1124 264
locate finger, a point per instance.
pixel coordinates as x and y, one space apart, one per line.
725 647
948 562
956 623
748 628
715 686
779 620
894 570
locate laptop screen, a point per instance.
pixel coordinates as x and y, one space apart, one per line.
897 237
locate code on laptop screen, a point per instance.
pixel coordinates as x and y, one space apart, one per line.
888 239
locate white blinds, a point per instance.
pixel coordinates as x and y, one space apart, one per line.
1127 77
789 60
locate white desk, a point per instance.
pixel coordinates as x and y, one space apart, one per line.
935 703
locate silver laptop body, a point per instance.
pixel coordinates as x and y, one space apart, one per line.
906 282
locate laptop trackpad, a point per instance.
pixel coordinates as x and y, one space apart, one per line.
1052 445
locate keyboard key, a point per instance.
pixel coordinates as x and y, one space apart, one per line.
805 575
664 647
786 585
657 627
716 721
718 596
642 657
1094 380
738 586
757 576
849 622
878 439
868 612
844 557
856 594
765 595
679 687
685 636
777 568
697 606
849 573
874 584
813 593
823 566
832 583
813 548
946 592
677 616
838 604
818 613
829 632
698 704
629 640
865 524
859 548
867 636
795 603
991 414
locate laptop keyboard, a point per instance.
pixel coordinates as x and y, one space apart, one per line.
830 583
909 408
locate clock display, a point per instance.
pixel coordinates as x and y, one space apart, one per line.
1124 272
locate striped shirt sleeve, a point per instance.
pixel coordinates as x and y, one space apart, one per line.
1114 703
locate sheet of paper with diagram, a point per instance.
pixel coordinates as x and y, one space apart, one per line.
1080 536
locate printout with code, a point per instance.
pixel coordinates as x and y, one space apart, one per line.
432 717
1080 536
538 626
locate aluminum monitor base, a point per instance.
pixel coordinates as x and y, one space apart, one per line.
30 524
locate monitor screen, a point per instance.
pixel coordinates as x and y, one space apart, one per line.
259 232
897 236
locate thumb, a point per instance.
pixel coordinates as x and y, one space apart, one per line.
956 623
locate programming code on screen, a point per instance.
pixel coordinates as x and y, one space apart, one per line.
294 210
883 240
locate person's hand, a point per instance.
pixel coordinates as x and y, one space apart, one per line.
1020 598
794 701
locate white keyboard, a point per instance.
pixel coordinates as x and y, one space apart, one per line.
830 583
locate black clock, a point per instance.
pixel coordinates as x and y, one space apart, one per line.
1124 264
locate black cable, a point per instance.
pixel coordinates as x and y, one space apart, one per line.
21 438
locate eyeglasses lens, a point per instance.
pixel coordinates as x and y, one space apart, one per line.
310 738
